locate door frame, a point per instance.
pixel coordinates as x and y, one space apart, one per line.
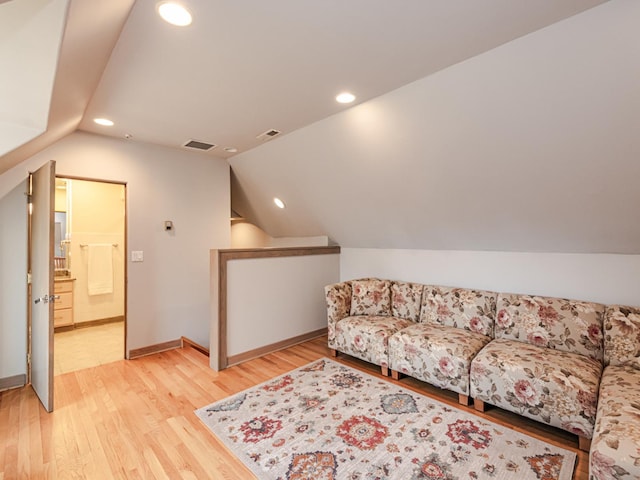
126 244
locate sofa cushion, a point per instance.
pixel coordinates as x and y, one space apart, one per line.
370 297
367 336
435 354
405 300
622 336
555 387
615 449
472 310
567 325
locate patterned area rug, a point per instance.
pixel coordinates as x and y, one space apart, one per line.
327 421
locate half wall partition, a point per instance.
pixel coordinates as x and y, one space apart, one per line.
264 300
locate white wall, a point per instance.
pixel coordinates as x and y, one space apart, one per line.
274 299
607 279
315 241
168 293
13 282
248 235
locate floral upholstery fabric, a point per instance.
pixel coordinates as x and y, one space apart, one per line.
367 336
552 386
370 297
615 450
556 323
435 354
338 299
472 310
622 336
405 300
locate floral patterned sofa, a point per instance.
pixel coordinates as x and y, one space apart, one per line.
363 314
428 332
454 325
615 450
545 362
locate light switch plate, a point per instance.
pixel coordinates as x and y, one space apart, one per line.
137 255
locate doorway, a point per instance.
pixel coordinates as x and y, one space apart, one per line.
90 271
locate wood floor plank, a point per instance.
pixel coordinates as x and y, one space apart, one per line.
134 418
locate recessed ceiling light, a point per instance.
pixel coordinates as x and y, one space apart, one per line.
175 14
345 97
231 149
105 122
279 203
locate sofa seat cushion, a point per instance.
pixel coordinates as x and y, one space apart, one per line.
367 336
552 386
615 449
436 354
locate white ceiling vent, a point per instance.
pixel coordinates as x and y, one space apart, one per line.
269 134
197 145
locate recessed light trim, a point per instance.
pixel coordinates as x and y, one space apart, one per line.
105 122
345 97
175 14
279 203
231 149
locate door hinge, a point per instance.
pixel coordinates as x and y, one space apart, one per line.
28 361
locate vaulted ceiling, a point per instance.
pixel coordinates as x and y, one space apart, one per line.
492 124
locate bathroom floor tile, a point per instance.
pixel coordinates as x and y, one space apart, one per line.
88 347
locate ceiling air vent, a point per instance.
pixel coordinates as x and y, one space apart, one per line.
199 145
269 134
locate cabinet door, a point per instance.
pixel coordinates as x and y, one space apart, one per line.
63 318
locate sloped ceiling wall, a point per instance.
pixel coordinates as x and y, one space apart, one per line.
91 29
532 146
30 37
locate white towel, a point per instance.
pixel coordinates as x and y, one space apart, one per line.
100 268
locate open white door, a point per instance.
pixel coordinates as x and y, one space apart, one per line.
41 255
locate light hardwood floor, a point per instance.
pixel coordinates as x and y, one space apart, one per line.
134 419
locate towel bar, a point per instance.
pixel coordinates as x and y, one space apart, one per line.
84 245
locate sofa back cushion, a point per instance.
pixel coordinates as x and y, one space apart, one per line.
370 296
622 336
406 299
472 310
567 325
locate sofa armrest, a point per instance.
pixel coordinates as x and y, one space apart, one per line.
338 297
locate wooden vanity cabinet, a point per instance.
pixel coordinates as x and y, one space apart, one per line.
63 306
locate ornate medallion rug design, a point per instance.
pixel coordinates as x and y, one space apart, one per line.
327 421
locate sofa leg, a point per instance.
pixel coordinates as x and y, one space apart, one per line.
463 399
395 374
333 352
584 443
385 371
478 404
